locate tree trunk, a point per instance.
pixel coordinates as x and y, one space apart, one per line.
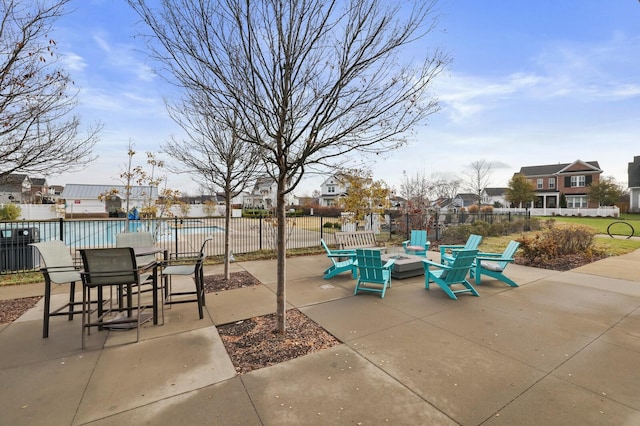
227 235
281 261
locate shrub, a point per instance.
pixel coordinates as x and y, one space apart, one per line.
328 225
10 212
337 225
555 241
487 209
473 209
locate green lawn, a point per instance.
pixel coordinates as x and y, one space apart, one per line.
618 225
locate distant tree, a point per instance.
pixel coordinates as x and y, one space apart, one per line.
606 192
213 154
563 201
38 134
520 191
417 191
446 188
478 177
364 195
312 82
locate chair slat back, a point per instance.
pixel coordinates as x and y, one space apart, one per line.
473 242
109 266
137 239
57 261
460 266
418 238
508 253
326 248
370 265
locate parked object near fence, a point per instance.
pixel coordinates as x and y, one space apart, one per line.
356 239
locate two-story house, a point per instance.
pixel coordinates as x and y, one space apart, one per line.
264 194
330 190
494 197
634 185
569 179
15 188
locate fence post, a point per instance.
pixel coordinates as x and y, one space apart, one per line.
260 233
61 229
321 227
175 229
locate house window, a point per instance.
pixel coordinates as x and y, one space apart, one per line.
331 189
540 183
552 183
577 181
331 203
577 202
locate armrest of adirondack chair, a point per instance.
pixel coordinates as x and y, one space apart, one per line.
428 263
389 264
342 253
451 247
494 257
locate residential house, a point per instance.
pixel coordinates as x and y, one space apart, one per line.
495 197
330 191
465 200
571 179
40 191
264 193
15 188
634 185
87 198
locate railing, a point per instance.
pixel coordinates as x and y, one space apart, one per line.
186 235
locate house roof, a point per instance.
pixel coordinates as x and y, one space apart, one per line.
552 169
495 192
92 192
467 196
12 182
38 181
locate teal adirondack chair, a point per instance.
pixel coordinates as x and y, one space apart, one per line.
371 271
453 274
339 266
448 252
494 264
418 244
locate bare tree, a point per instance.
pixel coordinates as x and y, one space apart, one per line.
312 81
37 132
213 152
478 177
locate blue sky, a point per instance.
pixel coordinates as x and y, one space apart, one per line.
531 83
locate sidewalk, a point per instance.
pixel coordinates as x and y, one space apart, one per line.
562 349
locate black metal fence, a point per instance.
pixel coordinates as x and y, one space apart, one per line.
186 235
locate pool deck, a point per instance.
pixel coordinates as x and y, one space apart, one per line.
561 349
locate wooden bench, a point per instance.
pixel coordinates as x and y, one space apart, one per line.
356 239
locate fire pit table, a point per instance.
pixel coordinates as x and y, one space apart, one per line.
406 265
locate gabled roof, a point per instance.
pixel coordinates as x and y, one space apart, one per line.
13 182
553 169
92 192
467 196
495 192
38 181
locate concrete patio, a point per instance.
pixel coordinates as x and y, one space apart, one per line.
562 349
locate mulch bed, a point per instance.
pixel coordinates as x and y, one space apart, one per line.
214 283
561 263
254 343
12 309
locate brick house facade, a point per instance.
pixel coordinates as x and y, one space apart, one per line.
569 179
